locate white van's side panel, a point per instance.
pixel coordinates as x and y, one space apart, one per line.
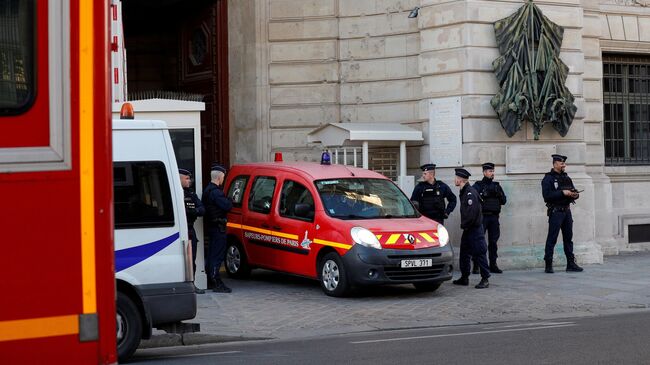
152 255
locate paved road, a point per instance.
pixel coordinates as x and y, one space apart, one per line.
620 339
272 305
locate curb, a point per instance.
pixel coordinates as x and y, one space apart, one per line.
189 339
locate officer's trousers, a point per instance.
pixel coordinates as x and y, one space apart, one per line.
216 252
472 246
491 225
560 220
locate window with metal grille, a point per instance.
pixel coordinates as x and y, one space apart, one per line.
626 99
384 161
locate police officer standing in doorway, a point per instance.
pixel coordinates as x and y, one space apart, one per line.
493 198
559 193
472 242
217 205
431 194
193 210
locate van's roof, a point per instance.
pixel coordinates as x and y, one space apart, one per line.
312 170
119 124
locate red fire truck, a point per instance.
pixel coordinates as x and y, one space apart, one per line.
56 218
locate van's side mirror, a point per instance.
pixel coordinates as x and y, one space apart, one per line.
416 204
304 210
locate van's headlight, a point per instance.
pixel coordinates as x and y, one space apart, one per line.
364 237
443 235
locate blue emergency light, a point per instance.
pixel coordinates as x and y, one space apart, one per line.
325 158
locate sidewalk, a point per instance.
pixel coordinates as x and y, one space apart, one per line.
272 305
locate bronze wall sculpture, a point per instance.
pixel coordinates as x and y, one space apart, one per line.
530 73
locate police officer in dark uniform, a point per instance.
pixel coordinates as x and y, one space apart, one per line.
193 210
472 242
559 193
217 206
493 198
431 194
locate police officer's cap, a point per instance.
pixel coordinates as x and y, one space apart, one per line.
428 167
559 158
488 166
185 172
217 167
463 173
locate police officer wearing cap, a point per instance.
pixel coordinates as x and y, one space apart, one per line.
193 210
217 206
492 197
431 194
472 242
559 193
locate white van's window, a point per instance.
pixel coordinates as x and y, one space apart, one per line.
237 189
364 199
142 195
262 194
296 201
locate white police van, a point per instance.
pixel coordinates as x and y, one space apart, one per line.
153 258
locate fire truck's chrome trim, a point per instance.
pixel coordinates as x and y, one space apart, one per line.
58 155
88 327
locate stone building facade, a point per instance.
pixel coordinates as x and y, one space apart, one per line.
297 64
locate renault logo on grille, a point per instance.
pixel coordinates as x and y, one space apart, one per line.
410 238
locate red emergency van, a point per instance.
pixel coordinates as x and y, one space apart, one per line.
341 225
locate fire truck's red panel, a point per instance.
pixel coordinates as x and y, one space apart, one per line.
40 217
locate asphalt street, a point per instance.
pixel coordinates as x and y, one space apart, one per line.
618 339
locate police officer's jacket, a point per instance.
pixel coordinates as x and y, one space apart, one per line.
193 206
552 185
431 198
193 209
470 208
217 205
492 196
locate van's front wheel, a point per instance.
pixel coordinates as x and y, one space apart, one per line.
332 275
236 261
129 327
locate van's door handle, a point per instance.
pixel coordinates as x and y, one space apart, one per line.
277 228
264 225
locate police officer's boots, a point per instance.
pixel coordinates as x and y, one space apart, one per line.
571 266
549 267
464 281
220 287
482 284
494 268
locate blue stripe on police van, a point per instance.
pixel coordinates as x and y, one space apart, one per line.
130 256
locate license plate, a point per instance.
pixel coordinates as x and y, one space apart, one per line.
417 263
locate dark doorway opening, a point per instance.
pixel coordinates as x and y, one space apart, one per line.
179 49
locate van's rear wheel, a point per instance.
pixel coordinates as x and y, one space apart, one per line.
427 286
332 275
129 327
236 261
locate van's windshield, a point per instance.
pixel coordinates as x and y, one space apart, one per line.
356 198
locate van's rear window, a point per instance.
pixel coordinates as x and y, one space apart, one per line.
142 195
